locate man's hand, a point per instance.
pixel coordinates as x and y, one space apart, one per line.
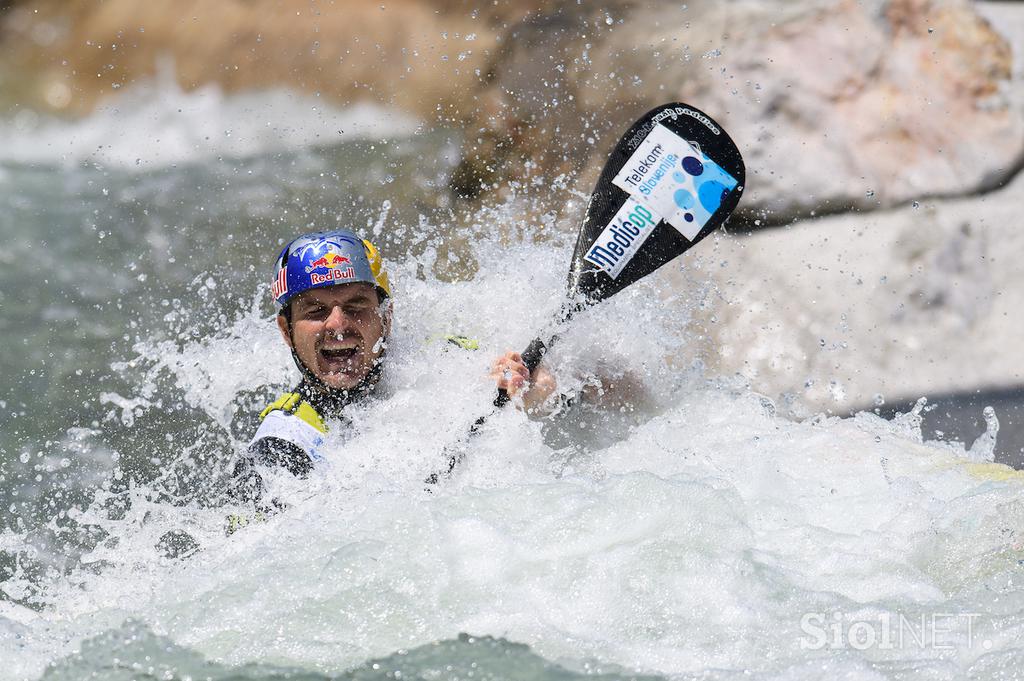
513 377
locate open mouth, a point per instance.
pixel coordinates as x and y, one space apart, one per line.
338 359
338 353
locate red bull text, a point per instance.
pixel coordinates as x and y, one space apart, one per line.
334 274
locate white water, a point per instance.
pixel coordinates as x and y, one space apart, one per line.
690 533
693 541
157 124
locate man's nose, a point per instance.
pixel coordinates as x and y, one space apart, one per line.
337 320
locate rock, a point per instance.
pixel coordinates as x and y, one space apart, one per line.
177 544
836 105
529 119
830 312
420 56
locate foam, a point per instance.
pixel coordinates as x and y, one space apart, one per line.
156 124
692 541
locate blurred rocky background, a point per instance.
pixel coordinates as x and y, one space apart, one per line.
876 256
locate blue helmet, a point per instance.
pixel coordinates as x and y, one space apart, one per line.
323 259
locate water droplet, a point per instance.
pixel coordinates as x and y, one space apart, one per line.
984 447
869 193
916 204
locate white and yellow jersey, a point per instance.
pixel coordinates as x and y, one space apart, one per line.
292 419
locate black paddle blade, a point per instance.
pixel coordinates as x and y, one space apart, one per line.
672 179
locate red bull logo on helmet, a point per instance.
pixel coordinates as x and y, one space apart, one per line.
328 261
336 273
325 259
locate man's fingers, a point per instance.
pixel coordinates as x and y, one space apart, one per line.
511 378
509 363
510 373
502 368
515 384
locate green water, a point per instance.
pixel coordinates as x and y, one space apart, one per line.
134 652
97 259
690 541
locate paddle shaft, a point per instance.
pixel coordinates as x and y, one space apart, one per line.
535 351
532 356
607 259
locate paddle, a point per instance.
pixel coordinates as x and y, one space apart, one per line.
673 178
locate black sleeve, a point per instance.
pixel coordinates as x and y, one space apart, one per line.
246 482
273 451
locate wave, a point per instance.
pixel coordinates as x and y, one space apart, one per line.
156 124
691 527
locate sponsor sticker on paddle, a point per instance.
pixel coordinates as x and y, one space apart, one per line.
675 181
622 237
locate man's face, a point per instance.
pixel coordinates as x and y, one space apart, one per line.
338 332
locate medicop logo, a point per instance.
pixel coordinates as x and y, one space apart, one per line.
622 237
675 181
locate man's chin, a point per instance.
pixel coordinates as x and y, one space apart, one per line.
340 380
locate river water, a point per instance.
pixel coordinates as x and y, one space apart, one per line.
681 526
